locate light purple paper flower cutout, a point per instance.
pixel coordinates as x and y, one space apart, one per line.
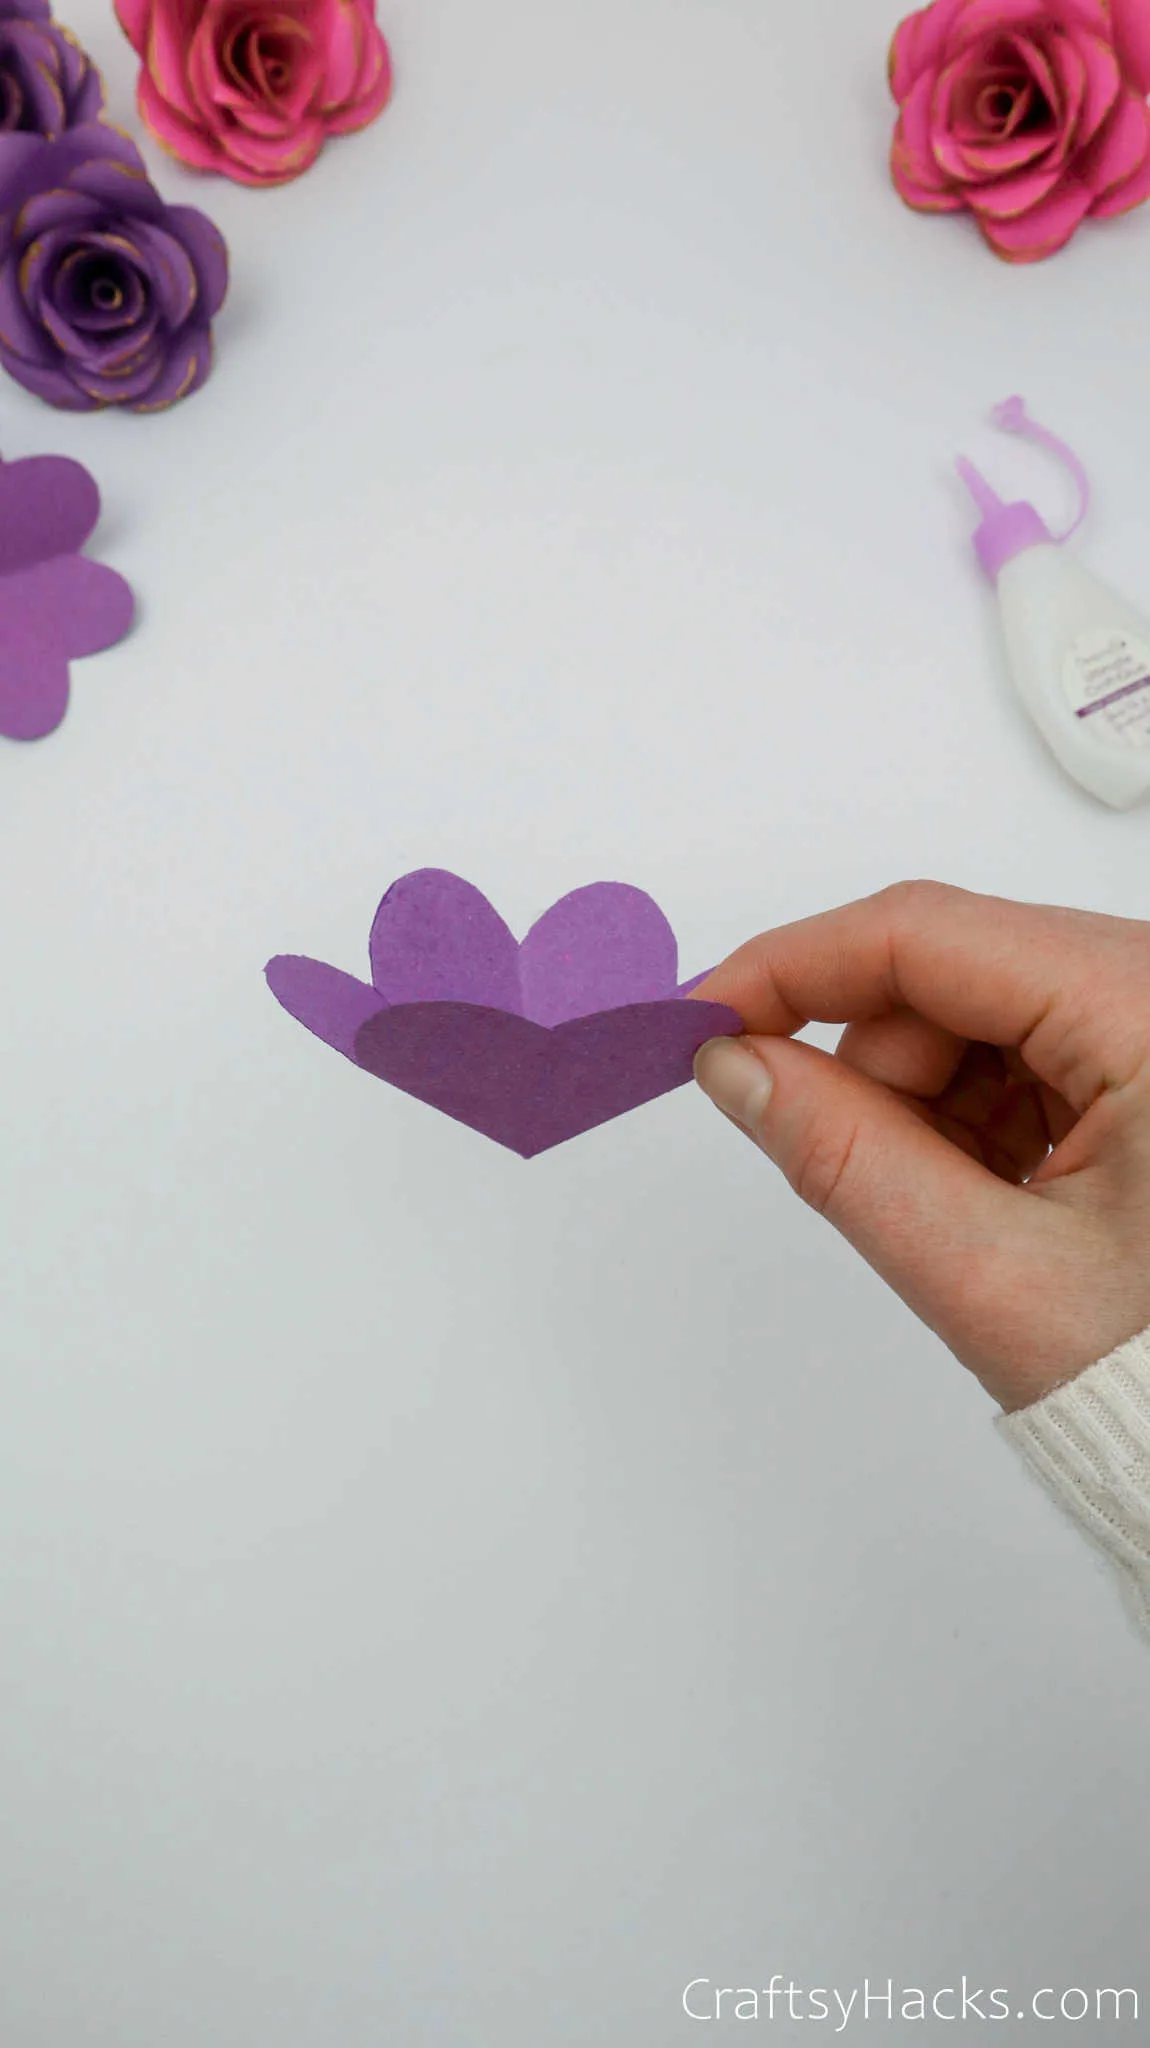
529 1044
55 604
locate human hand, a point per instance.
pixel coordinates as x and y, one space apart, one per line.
982 1134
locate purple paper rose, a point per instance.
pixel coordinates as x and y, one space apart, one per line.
47 83
106 294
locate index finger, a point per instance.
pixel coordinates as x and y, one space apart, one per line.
1069 989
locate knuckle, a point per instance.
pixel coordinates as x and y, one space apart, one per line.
824 1168
918 894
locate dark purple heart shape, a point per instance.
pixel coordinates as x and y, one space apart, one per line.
530 1086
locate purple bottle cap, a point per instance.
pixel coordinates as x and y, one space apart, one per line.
1005 530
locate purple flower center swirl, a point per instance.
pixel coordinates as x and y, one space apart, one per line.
106 294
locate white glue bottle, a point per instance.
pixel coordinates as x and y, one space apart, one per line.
1079 654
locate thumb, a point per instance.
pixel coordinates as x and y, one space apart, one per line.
934 1223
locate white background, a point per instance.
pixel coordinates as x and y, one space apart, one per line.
452 1601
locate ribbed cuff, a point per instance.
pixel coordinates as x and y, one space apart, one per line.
1089 1445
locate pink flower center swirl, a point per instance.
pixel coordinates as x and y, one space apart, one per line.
260 55
1000 97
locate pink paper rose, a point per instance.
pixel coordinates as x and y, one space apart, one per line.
252 87
1030 114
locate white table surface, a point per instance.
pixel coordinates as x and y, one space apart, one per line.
452 1601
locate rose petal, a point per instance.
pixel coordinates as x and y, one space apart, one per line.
94 142
1069 63
133 17
35 60
1118 151
166 262
1103 83
373 92
919 181
998 159
125 188
1044 229
88 100
1130 27
208 251
37 262
19 334
52 209
923 198
18 155
51 384
345 30
165 57
273 163
982 17
186 139
1010 197
918 44
1121 198
186 368
912 138
125 387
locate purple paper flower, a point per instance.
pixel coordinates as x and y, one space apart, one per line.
47 83
107 295
530 1044
55 603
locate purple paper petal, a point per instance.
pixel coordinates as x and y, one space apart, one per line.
92 143
120 186
33 691
187 364
134 382
530 1088
597 949
49 613
19 334
51 384
332 1005
208 251
91 604
18 153
170 268
48 506
57 207
55 604
437 939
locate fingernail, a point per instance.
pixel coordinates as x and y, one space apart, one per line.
735 1079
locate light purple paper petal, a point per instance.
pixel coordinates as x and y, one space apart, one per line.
55 604
332 1005
531 1088
48 506
68 606
95 603
436 938
33 691
597 949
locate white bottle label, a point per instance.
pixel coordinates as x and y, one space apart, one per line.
1106 677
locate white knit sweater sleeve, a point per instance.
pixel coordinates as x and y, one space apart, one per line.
1089 1445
